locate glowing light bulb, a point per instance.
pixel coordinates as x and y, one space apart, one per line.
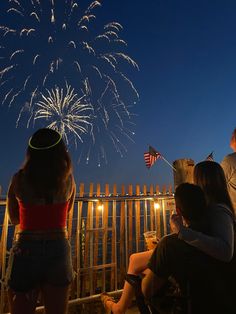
156 205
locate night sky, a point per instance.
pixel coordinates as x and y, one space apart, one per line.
186 52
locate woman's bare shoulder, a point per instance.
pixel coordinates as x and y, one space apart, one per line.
15 179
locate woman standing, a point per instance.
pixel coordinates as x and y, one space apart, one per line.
39 198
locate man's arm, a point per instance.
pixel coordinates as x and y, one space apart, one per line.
151 284
220 244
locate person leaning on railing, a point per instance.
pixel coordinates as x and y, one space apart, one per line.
39 198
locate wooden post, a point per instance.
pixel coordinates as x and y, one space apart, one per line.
130 216
123 242
145 214
158 216
3 259
104 240
113 246
164 189
184 171
78 247
152 220
98 219
88 253
137 218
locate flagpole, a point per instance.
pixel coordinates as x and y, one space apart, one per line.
168 163
162 157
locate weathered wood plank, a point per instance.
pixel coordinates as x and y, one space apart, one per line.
158 215
88 243
137 218
151 209
98 224
130 221
104 241
122 237
113 285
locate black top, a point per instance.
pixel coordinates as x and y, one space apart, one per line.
211 283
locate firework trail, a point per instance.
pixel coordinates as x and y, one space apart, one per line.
44 44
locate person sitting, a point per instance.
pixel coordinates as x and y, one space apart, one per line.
219 242
137 265
208 281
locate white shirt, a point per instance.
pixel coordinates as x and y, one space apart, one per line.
229 166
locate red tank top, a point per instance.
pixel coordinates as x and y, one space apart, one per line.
41 217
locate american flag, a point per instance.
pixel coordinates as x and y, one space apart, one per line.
210 157
151 157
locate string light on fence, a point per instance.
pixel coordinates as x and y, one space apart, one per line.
156 205
100 206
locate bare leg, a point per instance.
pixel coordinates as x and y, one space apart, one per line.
55 299
23 302
137 264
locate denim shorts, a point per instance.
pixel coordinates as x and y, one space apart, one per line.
35 263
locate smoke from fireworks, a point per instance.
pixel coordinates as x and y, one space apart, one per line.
44 44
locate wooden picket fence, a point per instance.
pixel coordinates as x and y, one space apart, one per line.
105 228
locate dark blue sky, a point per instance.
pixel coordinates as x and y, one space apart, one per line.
186 51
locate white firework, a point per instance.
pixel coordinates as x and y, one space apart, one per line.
64 111
44 43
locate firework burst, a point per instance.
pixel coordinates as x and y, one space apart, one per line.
65 112
44 43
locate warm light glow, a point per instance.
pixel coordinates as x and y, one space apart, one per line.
156 205
100 207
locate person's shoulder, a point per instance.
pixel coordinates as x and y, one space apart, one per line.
230 157
16 176
220 208
14 183
173 248
168 237
168 240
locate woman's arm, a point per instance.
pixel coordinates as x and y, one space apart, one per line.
73 193
12 203
220 244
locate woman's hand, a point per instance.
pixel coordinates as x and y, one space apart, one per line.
176 223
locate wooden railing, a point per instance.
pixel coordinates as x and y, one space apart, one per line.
104 230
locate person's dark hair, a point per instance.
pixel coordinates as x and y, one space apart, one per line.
48 164
191 202
209 175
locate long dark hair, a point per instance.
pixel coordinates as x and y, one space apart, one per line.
209 175
47 165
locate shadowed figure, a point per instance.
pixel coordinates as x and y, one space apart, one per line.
39 198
